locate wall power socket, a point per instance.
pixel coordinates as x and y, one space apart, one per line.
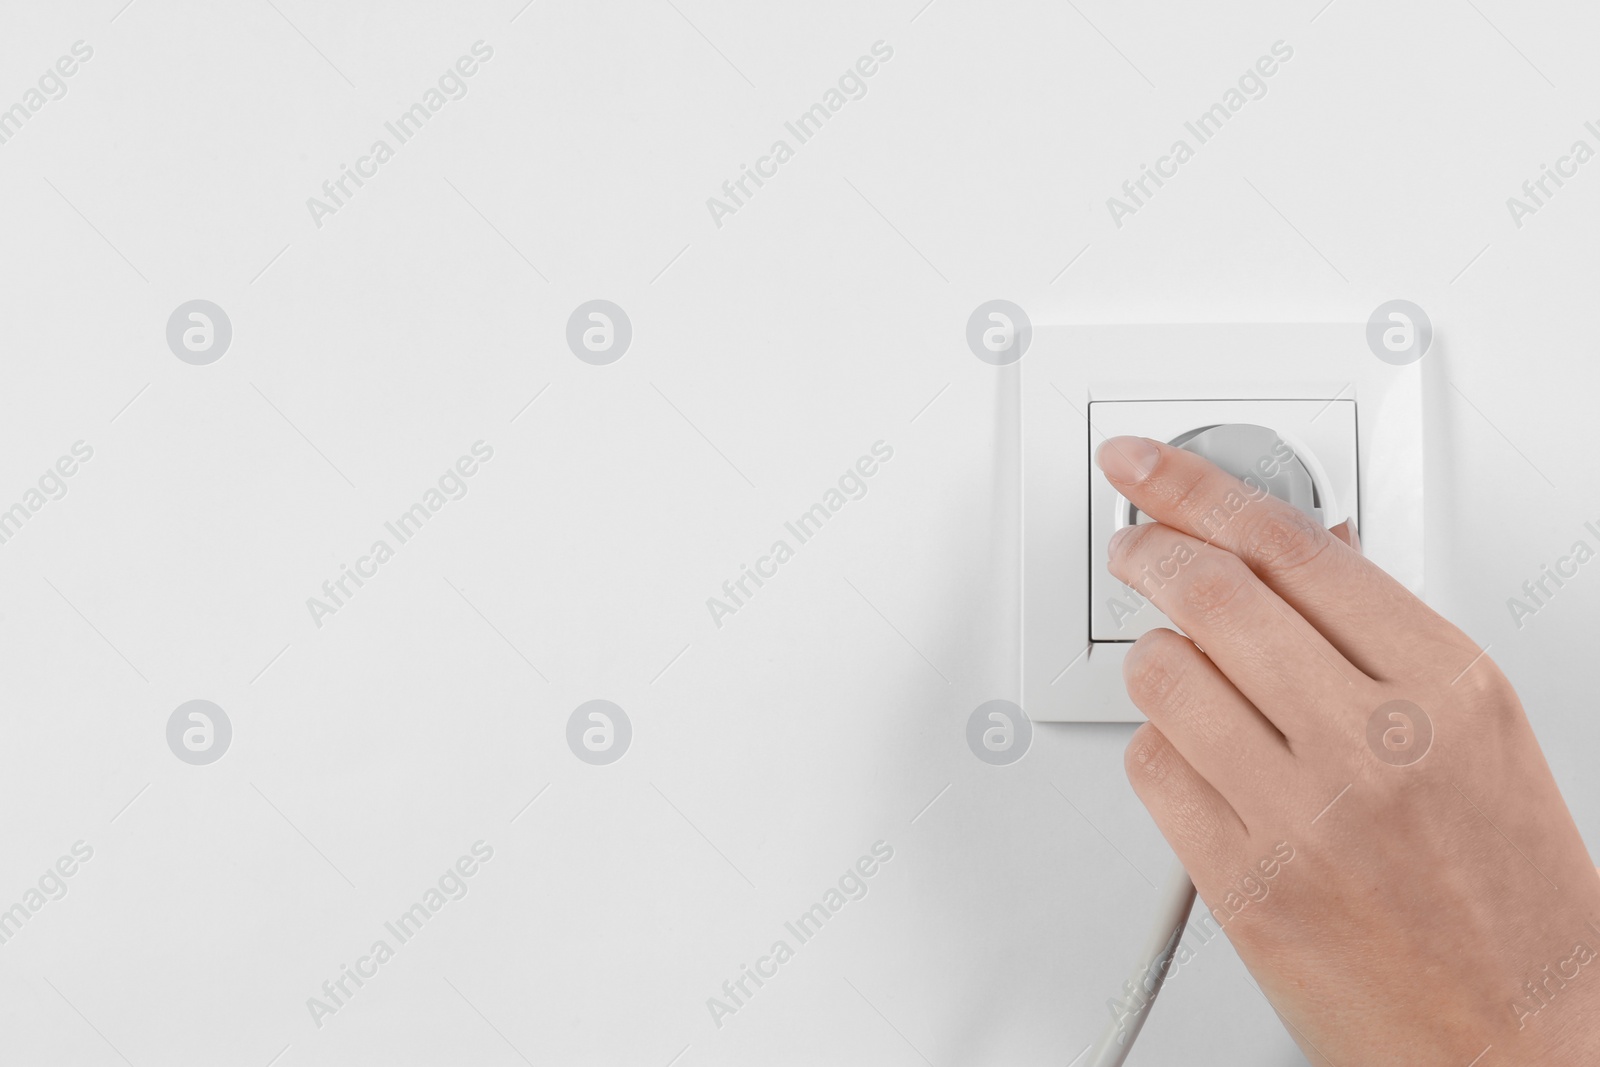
1352 422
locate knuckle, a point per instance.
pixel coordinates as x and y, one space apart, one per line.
1152 671
1190 496
1169 788
1128 546
1215 581
1148 757
1286 539
1482 686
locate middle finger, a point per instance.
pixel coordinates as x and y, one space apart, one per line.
1273 656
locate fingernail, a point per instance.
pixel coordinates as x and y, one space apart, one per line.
1128 460
1346 531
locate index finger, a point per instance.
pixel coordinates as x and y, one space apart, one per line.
1368 616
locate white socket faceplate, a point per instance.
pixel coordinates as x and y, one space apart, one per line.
1353 420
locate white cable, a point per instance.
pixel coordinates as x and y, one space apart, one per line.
1138 993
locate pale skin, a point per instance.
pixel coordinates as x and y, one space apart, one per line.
1439 911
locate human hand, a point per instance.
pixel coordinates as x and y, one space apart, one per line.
1439 905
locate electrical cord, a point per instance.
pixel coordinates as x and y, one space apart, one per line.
1177 898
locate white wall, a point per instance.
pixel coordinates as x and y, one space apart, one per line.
372 351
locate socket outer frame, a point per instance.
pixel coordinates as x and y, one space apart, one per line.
1066 677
